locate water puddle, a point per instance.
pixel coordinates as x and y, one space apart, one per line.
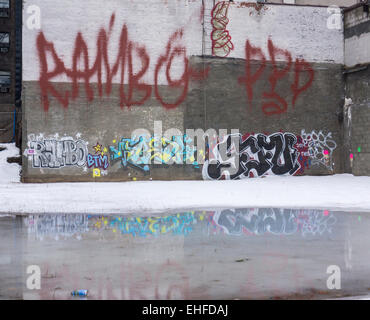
252 253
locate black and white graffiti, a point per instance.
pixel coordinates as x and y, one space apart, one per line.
256 155
276 221
56 153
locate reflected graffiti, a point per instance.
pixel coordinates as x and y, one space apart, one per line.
234 222
179 224
57 227
260 221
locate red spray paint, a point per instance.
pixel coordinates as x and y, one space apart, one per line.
276 104
126 51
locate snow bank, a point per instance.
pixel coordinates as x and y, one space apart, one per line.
9 172
338 192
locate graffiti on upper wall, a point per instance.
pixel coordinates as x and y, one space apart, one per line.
238 157
140 152
260 221
274 103
127 51
55 153
137 92
220 37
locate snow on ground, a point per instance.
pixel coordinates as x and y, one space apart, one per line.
9 172
337 192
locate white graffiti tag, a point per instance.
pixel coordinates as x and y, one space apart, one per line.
320 147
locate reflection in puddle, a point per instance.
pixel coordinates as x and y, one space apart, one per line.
235 222
201 254
275 221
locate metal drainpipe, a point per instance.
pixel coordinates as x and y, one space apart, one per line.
14 123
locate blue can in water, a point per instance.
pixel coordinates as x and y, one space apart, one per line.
80 293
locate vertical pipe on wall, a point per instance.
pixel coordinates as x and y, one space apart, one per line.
14 123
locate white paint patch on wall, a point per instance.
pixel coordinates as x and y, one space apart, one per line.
301 30
357 50
150 23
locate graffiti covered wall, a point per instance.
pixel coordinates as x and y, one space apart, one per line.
174 66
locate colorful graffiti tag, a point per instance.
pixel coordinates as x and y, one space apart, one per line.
236 156
140 152
98 161
179 224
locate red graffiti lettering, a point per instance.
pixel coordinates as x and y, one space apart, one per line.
276 103
220 37
46 75
124 63
272 107
301 66
172 51
250 79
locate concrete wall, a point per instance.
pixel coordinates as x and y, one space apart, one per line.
357 77
272 72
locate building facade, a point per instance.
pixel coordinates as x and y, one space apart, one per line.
10 68
182 90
